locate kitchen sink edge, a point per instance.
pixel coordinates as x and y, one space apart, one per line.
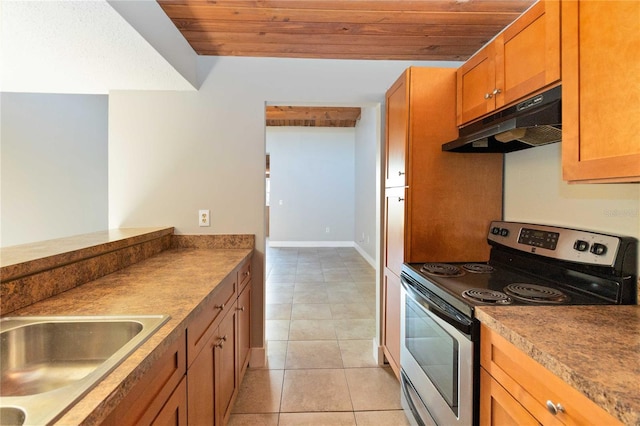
46 404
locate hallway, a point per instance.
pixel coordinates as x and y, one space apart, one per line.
320 325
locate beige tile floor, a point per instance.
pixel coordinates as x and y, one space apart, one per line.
320 325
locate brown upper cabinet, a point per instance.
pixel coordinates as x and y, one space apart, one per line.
397 134
520 61
601 91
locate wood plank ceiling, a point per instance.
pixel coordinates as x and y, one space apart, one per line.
415 30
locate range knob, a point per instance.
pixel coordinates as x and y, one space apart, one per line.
580 245
495 230
504 232
598 249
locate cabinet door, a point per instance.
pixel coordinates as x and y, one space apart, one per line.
498 407
397 100
201 386
391 321
531 53
476 84
211 378
395 202
600 91
226 367
244 330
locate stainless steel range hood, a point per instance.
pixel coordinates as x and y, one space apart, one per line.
533 122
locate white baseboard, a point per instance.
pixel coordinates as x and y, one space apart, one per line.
365 255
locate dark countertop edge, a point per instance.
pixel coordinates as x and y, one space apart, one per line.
552 363
49 256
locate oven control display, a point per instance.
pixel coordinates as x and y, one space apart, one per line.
537 238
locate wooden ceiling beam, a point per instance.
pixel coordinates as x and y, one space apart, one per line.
312 113
306 116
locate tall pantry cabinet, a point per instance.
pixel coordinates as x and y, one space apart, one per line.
438 205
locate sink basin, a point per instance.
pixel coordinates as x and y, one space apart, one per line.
48 363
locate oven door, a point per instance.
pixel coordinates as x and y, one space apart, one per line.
437 358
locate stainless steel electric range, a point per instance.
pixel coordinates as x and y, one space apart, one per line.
529 265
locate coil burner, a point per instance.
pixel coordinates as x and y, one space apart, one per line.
478 268
535 293
484 295
441 270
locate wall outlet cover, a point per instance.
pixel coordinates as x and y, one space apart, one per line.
203 218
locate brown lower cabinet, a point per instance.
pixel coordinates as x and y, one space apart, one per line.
391 320
516 390
244 330
211 378
196 380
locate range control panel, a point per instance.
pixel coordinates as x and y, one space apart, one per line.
560 243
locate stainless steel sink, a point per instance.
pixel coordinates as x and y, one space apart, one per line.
48 363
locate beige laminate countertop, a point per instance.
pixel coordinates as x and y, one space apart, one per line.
595 349
173 282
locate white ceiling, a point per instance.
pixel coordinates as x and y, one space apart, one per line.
91 47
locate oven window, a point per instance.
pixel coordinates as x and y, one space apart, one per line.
435 350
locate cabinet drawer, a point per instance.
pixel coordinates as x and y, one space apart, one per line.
146 399
533 385
207 319
244 275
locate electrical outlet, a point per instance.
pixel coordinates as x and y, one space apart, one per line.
327 230
203 218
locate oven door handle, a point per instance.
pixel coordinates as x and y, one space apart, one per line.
460 322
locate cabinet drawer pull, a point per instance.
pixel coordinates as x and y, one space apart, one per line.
246 274
554 408
400 173
220 342
221 307
400 199
488 96
241 309
496 91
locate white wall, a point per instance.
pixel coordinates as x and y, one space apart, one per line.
54 166
172 153
367 163
312 185
535 192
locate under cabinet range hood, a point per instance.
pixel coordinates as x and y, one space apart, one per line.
533 122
